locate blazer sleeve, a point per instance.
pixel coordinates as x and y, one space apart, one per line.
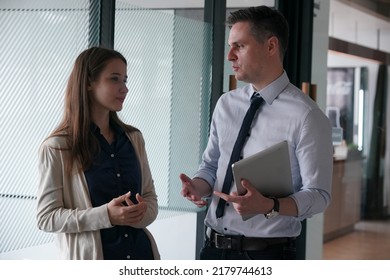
148 190
63 200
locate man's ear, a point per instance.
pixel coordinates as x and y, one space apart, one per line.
273 45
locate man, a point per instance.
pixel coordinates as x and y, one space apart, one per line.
258 41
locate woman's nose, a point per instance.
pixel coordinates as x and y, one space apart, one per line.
125 89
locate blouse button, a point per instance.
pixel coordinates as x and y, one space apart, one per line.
128 257
112 155
126 235
118 175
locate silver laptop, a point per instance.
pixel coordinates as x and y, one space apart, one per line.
269 171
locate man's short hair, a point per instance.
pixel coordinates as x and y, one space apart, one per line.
265 22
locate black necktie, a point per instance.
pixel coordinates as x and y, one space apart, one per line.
256 101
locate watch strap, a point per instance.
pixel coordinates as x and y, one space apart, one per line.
275 209
276 204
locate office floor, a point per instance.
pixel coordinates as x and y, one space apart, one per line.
369 241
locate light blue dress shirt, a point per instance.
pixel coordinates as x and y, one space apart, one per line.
287 114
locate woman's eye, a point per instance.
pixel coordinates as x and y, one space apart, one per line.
117 79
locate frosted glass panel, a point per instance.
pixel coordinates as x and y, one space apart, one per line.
38 45
169 91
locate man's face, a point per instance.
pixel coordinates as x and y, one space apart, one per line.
246 54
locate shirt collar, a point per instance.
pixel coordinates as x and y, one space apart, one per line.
271 92
118 130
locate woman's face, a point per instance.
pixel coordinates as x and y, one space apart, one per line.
109 90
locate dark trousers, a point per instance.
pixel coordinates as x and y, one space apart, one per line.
285 251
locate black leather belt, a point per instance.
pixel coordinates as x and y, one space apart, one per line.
242 243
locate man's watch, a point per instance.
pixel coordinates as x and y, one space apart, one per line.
274 211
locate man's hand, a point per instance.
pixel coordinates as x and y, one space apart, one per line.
192 190
251 203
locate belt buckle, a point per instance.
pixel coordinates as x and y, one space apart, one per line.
222 242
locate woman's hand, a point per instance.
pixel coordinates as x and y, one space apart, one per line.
122 211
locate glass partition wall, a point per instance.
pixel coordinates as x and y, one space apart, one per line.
39 41
169 91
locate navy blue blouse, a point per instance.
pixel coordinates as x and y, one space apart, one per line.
114 172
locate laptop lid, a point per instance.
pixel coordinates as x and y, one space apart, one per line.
269 171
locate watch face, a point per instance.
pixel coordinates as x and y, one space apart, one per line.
272 214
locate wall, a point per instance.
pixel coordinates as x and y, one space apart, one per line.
314 236
359 26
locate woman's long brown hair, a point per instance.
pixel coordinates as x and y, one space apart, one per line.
76 123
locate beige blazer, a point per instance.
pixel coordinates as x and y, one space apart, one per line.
64 205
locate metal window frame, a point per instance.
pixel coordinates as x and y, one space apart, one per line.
101 23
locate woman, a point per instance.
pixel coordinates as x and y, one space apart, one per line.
96 190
